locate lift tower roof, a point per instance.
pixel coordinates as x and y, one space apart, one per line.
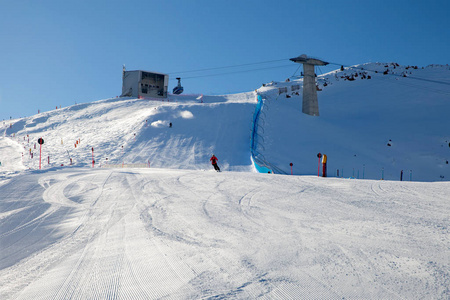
303 59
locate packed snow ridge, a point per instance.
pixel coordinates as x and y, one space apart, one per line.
151 219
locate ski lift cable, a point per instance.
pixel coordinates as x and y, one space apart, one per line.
296 70
234 72
410 84
320 70
395 75
419 87
278 60
403 83
232 66
286 59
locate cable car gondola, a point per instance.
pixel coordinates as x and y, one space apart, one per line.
178 89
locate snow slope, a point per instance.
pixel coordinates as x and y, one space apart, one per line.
358 119
123 130
189 234
11 160
179 230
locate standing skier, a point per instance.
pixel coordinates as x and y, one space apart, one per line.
214 160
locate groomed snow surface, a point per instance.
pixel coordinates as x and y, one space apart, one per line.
171 227
180 234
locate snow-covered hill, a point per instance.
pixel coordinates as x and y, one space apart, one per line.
371 123
123 130
174 228
363 110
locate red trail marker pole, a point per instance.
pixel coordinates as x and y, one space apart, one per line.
319 155
93 157
291 164
40 142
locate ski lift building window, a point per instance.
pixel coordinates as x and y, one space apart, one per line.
282 90
144 84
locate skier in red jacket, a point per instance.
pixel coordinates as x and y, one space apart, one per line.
214 160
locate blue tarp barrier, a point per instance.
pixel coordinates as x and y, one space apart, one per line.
260 168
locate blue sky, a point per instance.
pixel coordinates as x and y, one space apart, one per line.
56 53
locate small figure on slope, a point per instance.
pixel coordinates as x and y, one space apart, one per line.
214 160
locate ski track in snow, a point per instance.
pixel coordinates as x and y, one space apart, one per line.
154 233
186 233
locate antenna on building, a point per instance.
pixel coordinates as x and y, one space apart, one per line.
310 104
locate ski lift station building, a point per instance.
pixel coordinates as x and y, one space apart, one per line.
144 84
